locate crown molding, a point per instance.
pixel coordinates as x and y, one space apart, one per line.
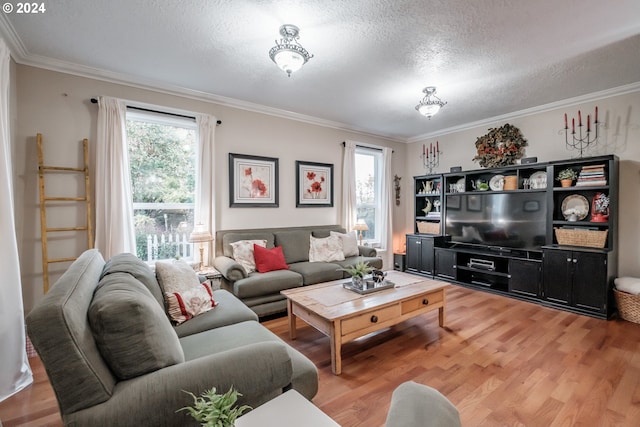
595 96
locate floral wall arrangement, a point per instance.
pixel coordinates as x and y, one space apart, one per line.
500 147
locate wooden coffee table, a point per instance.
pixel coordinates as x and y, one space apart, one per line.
344 315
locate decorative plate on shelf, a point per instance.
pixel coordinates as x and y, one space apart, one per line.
577 205
538 180
496 183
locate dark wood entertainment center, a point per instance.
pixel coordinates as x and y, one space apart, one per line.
525 236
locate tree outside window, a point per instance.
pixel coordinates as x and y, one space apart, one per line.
162 165
368 190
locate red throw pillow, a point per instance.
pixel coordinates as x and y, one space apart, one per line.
269 259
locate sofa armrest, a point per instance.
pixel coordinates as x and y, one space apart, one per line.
367 251
229 268
258 371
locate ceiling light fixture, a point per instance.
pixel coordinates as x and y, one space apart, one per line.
288 53
430 104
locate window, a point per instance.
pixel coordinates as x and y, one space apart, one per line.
368 191
162 152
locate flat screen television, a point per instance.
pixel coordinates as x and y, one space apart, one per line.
501 220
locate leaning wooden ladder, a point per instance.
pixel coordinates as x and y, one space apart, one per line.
86 198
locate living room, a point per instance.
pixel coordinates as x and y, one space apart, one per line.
56 102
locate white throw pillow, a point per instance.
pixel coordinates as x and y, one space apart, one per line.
243 253
326 249
349 243
185 296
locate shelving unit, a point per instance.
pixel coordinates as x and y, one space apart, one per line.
429 204
575 277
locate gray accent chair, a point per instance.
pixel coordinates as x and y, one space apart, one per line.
261 291
418 405
101 379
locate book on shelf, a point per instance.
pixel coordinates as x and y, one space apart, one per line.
591 183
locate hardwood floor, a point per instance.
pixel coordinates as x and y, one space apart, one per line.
502 362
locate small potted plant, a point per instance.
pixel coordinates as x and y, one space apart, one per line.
358 271
566 177
215 410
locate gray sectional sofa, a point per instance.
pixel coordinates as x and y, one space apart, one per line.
261 291
132 367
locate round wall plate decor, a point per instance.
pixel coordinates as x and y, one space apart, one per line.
577 204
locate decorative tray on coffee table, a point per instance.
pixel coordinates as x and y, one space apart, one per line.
369 286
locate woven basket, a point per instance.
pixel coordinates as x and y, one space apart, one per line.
628 306
428 227
576 237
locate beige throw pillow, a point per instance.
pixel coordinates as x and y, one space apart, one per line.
185 296
243 253
326 249
349 243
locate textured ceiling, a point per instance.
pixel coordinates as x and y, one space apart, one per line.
487 58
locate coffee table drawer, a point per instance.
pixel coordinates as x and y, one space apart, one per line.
422 302
369 319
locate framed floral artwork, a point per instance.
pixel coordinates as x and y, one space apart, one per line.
253 181
314 184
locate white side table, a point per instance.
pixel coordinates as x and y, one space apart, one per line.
290 409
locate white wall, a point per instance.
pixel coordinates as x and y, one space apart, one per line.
545 136
58 106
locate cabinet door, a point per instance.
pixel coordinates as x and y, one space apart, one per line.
426 255
590 281
414 252
556 267
524 277
445 263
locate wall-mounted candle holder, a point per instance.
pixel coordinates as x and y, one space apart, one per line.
431 156
579 141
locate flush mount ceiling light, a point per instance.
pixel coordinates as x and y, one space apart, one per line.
288 54
430 104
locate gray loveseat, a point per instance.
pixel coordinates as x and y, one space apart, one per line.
98 382
261 291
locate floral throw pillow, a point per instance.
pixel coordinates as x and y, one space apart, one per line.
326 249
349 243
184 295
243 253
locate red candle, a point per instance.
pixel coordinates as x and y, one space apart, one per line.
573 125
588 123
579 118
596 117
431 147
565 121
437 147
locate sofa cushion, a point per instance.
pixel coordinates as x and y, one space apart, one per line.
129 263
374 262
349 243
269 259
229 310
295 244
131 330
317 272
305 374
326 249
326 232
258 284
228 238
243 253
186 297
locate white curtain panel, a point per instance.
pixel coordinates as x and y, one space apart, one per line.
386 234
15 373
115 231
349 211
205 200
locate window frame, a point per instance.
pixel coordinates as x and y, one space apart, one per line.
374 240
